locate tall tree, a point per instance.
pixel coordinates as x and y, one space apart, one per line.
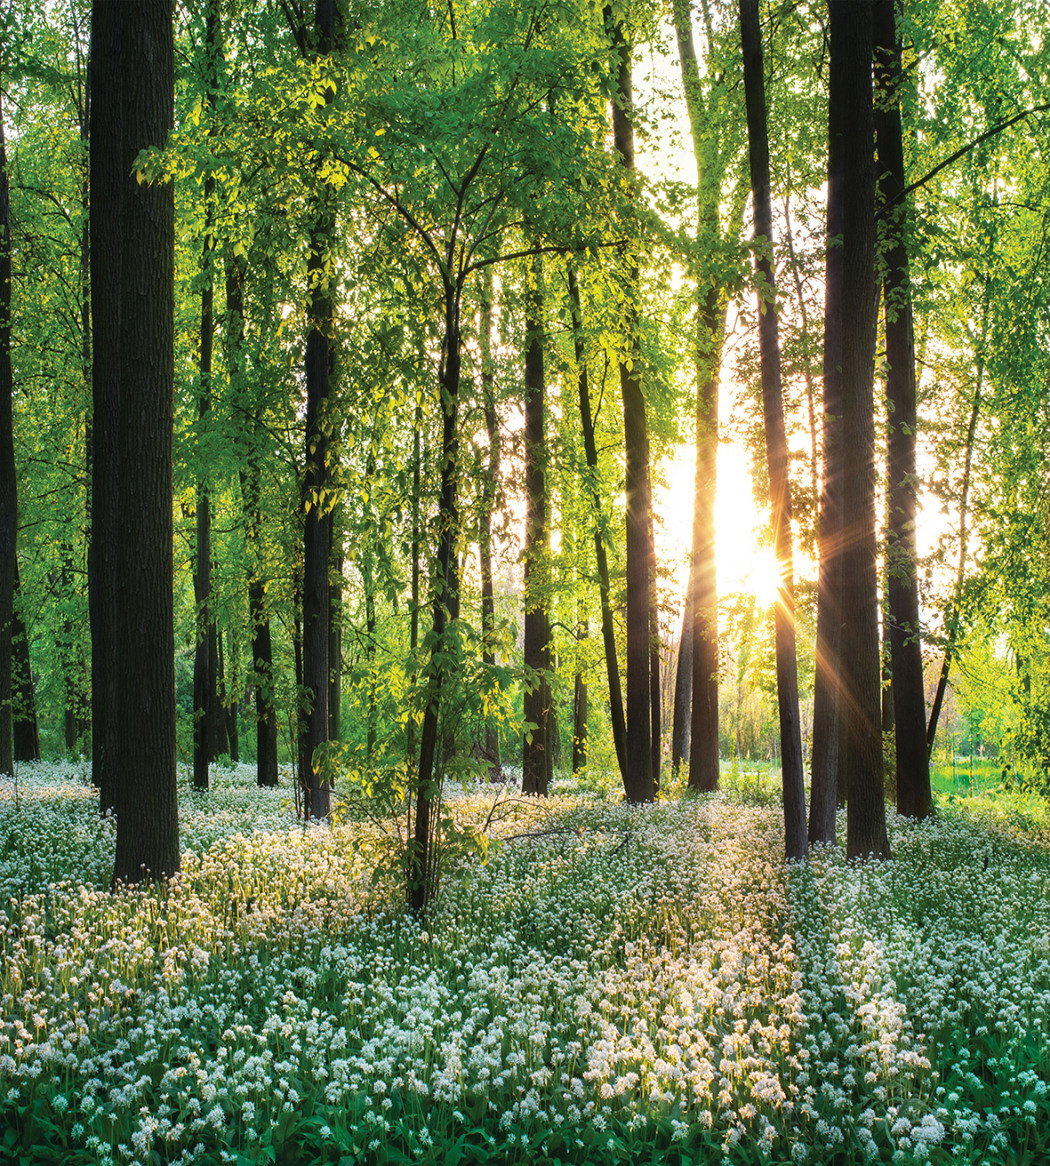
914 796
639 777
132 262
778 456
824 791
316 504
8 479
536 744
696 700
860 670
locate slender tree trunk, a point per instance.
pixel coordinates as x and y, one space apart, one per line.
616 715
335 632
860 663
132 258
703 577
316 505
579 703
24 723
914 796
824 785
8 478
683 693
638 785
778 456
204 655
489 487
537 624
952 621
697 689
421 872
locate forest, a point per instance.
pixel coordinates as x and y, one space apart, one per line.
524 581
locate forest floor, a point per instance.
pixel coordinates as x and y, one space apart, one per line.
611 984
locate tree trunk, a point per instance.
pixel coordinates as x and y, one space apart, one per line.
697 690
638 784
251 490
683 694
536 742
8 479
778 458
952 621
824 785
860 671
24 724
335 634
132 260
444 606
914 796
579 704
612 668
489 486
317 516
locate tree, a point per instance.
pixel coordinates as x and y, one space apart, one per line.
8 480
132 237
536 745
639 779
777 453
914 796
859 664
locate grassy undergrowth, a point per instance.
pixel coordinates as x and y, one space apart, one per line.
615 984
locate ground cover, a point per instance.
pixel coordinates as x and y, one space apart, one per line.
613 984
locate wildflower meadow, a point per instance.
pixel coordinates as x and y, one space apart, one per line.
607 983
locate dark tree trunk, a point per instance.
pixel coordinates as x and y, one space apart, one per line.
24 725
696 690
317 517
778 457
444 606
612 668
703 577
8 479
132 260
579 704
536 742
914 796
251 491
489 487
824 792
952 621
683 694
335 634
860 670
638 784
227 706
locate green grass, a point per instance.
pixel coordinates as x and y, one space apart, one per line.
615 984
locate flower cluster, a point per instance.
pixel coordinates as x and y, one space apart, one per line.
612 981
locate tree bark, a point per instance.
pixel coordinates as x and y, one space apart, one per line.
860 662
8 479
914 796
24 723
638 784
535 746
316 517
251 493
683 693
778 456
612 667
489 487
335 631
444 606
824 784
132 267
